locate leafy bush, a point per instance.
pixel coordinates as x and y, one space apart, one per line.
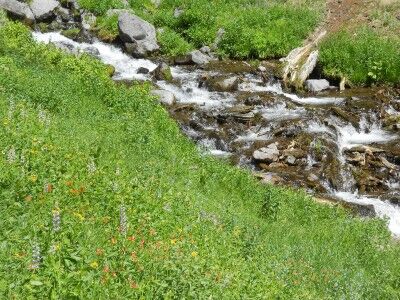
172 43
100 7
107 27
363 57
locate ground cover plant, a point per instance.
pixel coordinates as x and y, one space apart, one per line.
103 198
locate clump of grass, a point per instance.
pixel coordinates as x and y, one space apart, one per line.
107 27
100 7
363 57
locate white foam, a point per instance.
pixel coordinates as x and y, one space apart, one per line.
126 67
382 209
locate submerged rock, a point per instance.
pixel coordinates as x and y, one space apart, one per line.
18 9
162 72
222 83
138 35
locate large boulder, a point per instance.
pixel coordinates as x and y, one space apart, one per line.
222 83
317 85
166 97
195 57
138 35
44 9
18 9
268 154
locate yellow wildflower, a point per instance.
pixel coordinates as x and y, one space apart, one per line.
33 178
94 264
79 216
194 254
173 241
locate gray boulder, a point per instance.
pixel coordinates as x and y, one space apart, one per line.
165 97
267 154
317 85
138 35
222 83
44 9
195 57
18 9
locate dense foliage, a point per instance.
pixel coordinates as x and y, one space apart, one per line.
362 57
103 198
253 29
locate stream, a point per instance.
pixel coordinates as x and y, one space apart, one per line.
340 146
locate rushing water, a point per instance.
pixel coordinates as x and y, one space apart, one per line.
220 138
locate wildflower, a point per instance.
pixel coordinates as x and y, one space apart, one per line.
113 240
152 232
36 256
133 285
54 248
11 110
47 188
79 216
123 220
173 241
33 178
118 171
94 264
56 220
134 257
106 269
115 187
99 251
131 238
91 166
43 117
11 155
69 183
194 254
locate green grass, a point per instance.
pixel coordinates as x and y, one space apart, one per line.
363 57
254 29
74 143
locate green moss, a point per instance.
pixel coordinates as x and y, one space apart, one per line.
72 33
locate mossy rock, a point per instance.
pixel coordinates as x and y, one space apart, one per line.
72 33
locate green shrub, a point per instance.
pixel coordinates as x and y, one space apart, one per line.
363 57
107 27
172 43
100 7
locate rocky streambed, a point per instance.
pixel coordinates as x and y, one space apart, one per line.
339 146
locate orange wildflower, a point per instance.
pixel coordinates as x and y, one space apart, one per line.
131 238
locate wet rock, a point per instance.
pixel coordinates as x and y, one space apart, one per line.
165 97
65 46
93 51
296 153
64 14
239 109
317 85
195 57
388 164
139 36
291 160
268 178
267 154
206 50
357 158
143 70
346 116
18 9
162 72
222 83
364 149
253 100
44 9
88 21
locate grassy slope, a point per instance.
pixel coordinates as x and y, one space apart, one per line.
367 48
197 228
